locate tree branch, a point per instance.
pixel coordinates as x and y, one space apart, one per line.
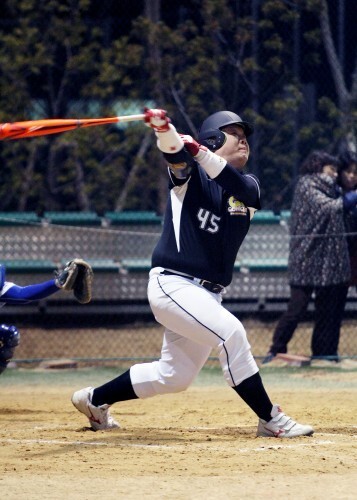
28 179
182 110
134 170
336 70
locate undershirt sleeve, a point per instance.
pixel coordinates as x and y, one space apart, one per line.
22 294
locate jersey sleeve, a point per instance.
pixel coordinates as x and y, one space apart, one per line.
15 294
246 187
180 166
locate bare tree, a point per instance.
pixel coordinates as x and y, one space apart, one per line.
153 13
59 153
120 204
28 179
346 97
79 181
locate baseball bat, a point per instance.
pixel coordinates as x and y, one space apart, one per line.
33 128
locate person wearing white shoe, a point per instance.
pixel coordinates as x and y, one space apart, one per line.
210 205
99 416
282 426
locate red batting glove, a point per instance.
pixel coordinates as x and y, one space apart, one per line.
192 146
157 119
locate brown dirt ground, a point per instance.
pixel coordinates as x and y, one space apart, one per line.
199 444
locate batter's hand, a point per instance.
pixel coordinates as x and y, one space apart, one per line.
157 119
192 146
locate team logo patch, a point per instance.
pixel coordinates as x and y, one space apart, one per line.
236 207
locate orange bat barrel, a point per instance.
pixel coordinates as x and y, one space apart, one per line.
33 128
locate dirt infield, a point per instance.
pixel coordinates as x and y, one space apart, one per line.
199 444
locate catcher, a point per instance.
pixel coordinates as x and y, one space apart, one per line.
77 276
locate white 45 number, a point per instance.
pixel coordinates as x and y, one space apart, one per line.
208 221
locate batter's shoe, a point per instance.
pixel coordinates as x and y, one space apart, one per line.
282 426
98 416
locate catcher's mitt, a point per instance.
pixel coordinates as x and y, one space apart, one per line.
77 276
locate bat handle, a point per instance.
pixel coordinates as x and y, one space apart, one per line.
130 118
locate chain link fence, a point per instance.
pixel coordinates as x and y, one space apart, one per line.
118 323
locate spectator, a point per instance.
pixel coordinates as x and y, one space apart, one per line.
318 259
347 180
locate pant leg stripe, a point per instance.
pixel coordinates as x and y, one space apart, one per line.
204 326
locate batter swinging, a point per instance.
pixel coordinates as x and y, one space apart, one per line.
210 205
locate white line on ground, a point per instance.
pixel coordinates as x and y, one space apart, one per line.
281 444
51 441
334 434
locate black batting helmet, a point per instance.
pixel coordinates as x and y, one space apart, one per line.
210 134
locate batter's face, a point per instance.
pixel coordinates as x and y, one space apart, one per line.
235 150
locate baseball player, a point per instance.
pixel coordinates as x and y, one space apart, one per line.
210 205
77 276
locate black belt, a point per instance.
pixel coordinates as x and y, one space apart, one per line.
208 285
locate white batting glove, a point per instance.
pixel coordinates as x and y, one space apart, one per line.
168 140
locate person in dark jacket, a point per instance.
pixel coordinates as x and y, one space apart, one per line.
347 180
318 258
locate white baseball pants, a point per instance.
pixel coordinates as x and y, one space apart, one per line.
195 322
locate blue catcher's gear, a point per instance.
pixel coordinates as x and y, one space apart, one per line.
9 339
2 276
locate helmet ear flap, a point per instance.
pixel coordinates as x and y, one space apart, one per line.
212 139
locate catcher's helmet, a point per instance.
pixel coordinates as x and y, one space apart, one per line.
210 134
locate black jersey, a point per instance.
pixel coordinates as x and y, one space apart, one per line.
205 223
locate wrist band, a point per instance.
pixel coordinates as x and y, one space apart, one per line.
169 141
212 163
